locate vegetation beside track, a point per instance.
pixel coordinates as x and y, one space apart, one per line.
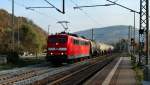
139 74
32 39
21 63
138 71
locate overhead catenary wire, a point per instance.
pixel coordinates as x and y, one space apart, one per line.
124 7
40 13
116 0
79 7
45 15
32 9
91 18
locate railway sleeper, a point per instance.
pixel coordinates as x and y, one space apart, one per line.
82 74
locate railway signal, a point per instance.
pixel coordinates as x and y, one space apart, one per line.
132 41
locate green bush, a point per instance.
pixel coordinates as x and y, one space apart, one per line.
13 57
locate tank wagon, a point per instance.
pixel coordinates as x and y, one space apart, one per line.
105 48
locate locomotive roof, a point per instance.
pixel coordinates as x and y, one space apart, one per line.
71 34
75 36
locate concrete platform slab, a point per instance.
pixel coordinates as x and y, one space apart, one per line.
124 75
118 72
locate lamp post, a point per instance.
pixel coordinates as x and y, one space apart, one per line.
18 37
13 40
133 37
48 29
129 37
92 34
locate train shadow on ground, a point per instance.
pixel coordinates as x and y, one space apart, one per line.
58 64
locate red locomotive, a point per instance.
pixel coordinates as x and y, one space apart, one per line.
65 47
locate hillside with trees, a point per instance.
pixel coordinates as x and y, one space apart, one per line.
110 34
31 38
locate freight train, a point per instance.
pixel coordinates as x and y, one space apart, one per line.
69 48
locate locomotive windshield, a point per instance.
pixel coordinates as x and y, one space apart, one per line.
57 39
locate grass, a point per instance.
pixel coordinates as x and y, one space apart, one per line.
139 74
137 69
6 66
20 63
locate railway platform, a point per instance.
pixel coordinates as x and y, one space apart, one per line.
118 72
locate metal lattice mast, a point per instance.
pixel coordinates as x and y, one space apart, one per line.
143 32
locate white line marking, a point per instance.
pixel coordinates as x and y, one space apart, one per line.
110 75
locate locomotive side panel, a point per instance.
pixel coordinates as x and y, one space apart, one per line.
78 49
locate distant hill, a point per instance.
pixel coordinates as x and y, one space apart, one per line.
109 34
31 37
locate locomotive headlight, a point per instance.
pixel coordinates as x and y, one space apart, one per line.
62 53
57 43
51 53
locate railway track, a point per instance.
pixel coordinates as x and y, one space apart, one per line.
30 75
81 75
8 77
42 75
61 76
45 77
18 70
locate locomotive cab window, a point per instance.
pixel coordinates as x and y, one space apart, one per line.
57 39
62 40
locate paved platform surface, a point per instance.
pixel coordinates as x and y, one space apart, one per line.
124 74
118 72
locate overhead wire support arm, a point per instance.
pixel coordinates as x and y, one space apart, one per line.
92 6
51 6
63 8
37 7
124 7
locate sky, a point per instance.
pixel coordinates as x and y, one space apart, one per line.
87 18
